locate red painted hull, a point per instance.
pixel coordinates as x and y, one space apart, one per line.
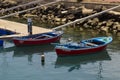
19 42
63 52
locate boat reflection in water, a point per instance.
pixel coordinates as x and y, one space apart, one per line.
18 51
30 51
75 62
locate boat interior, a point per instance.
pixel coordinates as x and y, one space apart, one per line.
94 42
84 44
39 36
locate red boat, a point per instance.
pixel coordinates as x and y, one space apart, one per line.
37 39
84 47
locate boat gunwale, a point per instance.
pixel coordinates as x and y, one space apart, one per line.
85 48
27 39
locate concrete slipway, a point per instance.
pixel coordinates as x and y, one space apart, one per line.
19 28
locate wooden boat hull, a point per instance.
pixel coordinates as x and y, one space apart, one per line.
35 42
63 52
84 47
20 42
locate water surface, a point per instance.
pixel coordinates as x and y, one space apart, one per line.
24 63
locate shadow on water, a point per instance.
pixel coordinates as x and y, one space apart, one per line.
74 62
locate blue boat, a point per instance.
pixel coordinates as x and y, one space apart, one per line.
83 47
5 32
1 42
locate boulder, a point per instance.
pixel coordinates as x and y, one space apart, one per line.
13 2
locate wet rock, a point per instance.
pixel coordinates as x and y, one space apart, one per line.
104 28
70 17
9 3
29 16
114 12
86 11
58 14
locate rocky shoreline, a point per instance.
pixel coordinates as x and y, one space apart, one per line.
63 12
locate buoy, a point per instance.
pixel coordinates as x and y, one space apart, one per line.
42 59
69 39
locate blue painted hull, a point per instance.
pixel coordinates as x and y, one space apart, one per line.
1 42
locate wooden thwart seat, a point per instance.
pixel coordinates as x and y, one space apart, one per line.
43 36
91 44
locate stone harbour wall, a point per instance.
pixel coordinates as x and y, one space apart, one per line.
64 12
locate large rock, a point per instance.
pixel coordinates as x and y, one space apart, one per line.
10 1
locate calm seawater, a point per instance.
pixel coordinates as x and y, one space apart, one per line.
24 63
